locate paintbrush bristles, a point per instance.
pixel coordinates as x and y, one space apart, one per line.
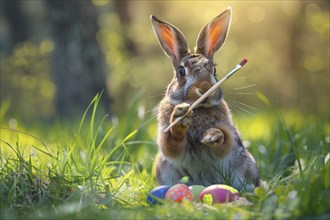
206 94
243 62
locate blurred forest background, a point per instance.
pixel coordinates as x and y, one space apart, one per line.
56 55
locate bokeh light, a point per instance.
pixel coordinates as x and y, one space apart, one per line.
286 43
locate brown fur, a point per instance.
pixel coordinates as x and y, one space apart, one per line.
205 145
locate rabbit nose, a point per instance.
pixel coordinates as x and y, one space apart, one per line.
204 86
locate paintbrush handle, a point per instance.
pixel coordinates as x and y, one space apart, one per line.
206 94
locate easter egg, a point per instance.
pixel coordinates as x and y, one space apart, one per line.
196 191
157 194
220 193
178 193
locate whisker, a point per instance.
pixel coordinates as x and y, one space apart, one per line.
237 86
246 105
247 111
233 106
156 96
242 93
241 108
243 77
150 111
152 116
231 102
244 87
150 120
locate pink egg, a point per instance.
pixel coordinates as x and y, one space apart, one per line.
220 193
178 193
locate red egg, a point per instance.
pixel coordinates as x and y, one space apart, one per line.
220 193
178 193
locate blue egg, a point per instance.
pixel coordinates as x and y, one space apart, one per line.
157 194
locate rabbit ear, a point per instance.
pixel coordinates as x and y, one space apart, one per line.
171 39
214 34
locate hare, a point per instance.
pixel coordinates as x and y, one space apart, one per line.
205 146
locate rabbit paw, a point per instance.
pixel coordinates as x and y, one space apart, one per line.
213 138
180 110
180 129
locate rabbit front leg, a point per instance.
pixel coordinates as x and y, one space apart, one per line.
219 139
179 131
173 142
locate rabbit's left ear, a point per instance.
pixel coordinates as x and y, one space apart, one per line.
171 39
214 34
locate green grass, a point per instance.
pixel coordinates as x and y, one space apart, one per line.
102 168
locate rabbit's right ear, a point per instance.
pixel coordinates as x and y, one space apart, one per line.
171 40
214 34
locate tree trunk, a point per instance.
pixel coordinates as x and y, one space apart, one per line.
125 20
18 25
78 65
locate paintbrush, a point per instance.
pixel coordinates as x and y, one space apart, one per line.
207 93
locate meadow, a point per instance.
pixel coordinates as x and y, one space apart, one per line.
68 152
102 168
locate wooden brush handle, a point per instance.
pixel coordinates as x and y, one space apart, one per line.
196 103
206 94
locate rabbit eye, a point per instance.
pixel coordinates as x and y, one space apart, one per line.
181 71
215 73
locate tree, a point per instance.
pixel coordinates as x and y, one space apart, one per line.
125 20
78 66
17 22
